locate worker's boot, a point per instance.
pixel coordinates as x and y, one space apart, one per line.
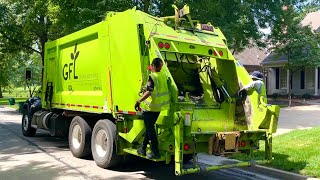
154 154
142 149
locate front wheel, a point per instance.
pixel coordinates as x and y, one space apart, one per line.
103 144
27 129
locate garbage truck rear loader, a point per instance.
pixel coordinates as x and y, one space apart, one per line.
93 77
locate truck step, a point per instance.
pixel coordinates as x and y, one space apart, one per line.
134 152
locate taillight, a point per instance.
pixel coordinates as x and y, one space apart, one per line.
215 53
186 147
243 144
220 53
160 45
167 45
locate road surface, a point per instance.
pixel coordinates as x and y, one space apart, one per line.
45 157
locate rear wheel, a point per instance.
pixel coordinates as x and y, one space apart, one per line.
79 137
27 129
103 144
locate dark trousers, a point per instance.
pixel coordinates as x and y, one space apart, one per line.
150 119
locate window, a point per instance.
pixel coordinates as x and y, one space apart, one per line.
283 78
318 77
277 78
302 74
309 78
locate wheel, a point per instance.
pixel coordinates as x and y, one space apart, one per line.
103 144
79 137
27 129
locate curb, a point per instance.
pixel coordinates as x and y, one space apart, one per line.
276 173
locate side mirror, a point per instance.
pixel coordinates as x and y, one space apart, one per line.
28 74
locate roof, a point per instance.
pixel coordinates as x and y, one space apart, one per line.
273 59
251 56
312 19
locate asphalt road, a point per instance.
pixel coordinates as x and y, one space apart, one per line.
45 157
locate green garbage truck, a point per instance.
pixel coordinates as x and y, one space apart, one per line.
93 77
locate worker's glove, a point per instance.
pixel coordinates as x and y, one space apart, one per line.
137 106
242 94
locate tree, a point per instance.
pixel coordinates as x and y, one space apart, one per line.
71 16
4 73
11 65
24 25
240 20
28 24
299 43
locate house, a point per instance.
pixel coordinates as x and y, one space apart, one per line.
303 81
251 58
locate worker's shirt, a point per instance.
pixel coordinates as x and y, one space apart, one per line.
256 84
150 84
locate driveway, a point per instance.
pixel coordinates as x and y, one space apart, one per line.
298 117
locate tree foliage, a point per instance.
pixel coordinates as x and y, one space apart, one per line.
25 25
12 69
299 43
28 24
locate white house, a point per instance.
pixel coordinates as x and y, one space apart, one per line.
304 81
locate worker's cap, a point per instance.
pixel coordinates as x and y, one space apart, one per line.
256 75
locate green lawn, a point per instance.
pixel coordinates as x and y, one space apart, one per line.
19 94
5 101
297 152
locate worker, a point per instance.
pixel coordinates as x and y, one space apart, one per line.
155 99
257 84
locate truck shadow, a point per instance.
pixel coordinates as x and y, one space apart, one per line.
12 168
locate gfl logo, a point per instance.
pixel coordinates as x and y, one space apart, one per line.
71 67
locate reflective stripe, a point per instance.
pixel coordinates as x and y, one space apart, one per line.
157 105
162 94
130 112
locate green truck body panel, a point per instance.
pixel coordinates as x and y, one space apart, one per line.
101 70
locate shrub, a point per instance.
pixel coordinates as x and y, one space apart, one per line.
275 95
306 96
292 96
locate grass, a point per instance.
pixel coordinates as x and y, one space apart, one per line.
5 101
19 94
283 105
297 152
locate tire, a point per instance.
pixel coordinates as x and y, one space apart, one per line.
79 137
103 144
27 129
